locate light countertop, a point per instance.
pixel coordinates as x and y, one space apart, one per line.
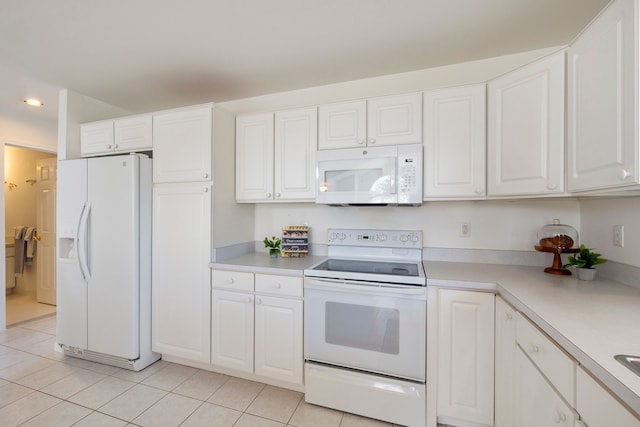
592 321
261 262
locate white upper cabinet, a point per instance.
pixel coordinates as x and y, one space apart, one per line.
455 143
182 145
602 135
296 144
388 120
276 164
526 130
254 157
125 135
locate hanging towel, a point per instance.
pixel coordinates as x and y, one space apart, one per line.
30 245
20 248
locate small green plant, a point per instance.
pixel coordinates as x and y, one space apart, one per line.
273 244
586 258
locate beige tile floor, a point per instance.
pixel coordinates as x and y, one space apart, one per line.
41 387
21 307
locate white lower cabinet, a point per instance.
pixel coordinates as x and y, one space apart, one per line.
465 356
505 359
536 402
597 408
257 331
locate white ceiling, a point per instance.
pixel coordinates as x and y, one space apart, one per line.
145 55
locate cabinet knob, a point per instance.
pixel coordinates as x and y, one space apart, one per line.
560 417
115 146
268 195
508 316
258 301
361 141
623 174
249 299
109 147
479 190
533 349
276 285
372 141
205 189
277 194
551 186
230 280
205 175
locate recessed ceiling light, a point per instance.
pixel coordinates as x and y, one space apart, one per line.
33 102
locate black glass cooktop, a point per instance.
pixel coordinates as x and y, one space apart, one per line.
370 267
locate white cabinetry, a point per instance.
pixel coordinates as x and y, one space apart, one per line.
597 408
455 143
465 356
505 358
526 130
123 135
280 166
181 274
182 145
603 147
388 120
258 331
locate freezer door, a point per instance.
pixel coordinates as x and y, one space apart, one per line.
113 231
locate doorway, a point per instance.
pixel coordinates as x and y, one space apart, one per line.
29 192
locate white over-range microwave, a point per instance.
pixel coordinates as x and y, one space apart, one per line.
383 175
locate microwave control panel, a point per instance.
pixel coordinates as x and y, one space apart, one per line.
410 174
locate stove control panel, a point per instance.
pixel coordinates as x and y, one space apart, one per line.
375 238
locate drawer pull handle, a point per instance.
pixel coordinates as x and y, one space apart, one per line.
534 349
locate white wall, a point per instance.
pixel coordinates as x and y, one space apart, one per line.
500 224
599 215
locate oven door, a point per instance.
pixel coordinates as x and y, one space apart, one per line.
367 327
357 176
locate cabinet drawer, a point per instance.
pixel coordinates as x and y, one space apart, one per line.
279 285
559 369
233 280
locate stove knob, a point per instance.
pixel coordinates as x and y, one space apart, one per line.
382 237
342 236
404 238
414 238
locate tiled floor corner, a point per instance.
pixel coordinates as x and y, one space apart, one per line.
42 387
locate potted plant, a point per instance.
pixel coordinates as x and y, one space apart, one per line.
273 244
584 262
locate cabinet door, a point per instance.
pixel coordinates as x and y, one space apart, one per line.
278 338
254 157
96 138
181 287
536 402
296 142
455 143
505 360
132 134
602 145
395 120
232 330
465 355
182 145
526 130
342 125
597 408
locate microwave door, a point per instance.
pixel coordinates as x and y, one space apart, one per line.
359 181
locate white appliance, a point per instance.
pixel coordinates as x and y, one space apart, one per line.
104 260
365 316
384 175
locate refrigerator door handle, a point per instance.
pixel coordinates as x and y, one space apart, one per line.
83 250
76 240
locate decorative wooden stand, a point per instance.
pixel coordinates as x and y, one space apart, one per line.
556 267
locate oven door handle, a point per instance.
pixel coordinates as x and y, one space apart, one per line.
347 286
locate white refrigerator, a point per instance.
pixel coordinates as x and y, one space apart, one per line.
104 260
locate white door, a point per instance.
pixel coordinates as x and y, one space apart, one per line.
395 120
113 230
525 149
342 125
455 143
232 330
465 355
181 290
601 97
46 226
254 157
278 338
182 145
296 143
132 134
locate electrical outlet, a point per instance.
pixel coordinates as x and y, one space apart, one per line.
465 229
618 236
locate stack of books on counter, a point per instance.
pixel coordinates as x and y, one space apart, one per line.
295 241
